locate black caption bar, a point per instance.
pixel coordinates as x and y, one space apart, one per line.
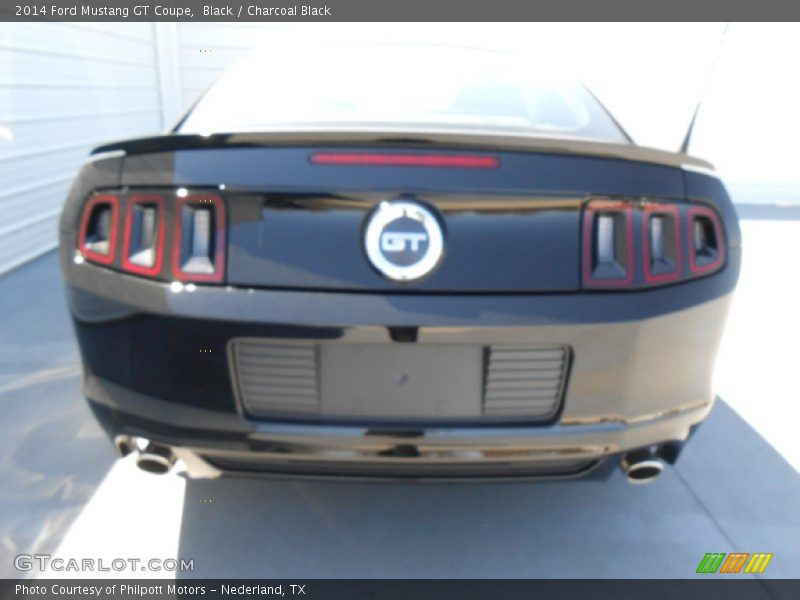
393 589
396 10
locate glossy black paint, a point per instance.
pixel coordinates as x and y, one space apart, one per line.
296 269
315 242
297 225
183 359
101 295
289 169
179 360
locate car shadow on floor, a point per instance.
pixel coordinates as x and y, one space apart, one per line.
249 527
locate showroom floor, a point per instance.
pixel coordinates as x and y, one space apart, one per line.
736 488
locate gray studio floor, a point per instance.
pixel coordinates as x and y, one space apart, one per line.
736 488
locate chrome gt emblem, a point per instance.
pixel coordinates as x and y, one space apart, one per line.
403 240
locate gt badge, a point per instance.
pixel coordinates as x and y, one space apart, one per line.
403 240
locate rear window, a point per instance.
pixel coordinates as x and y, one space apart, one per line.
398 88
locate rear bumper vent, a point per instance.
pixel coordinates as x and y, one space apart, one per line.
524 381
275 377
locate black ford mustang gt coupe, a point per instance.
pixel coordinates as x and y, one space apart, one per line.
398 261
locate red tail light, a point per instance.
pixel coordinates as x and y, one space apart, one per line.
706 242
614 258
625 243
97 232
198 244
143 245
391 159
661 240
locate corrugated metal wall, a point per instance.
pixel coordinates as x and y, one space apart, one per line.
64 88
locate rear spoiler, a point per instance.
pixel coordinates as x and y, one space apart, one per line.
498 142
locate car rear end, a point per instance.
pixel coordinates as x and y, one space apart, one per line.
230 314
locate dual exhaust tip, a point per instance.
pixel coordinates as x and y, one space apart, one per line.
151 457
644 465
640 466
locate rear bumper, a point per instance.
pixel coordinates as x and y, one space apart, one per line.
632 383
210 446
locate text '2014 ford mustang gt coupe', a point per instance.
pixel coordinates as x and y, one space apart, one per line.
419 262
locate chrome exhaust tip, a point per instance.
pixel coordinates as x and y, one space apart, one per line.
155 459
124 445
641 467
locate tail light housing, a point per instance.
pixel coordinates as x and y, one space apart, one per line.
625 243
143 248
706 244
608 244
198 250
190 229
661 243
97 232
642 243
